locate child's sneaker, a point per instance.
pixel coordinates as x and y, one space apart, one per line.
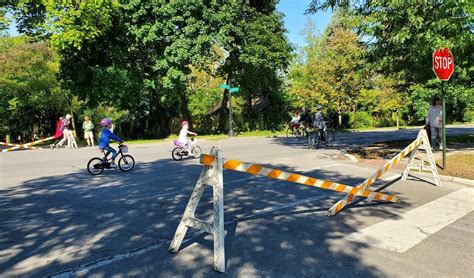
113 165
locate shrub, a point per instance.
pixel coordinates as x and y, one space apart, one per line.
361 119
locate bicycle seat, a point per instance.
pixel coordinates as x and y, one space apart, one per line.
177 143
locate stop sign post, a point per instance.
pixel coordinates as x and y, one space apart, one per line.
443 66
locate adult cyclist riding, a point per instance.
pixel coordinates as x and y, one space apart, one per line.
319 123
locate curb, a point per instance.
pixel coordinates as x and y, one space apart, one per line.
450 178
459 180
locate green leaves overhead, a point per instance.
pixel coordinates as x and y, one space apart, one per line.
29 91
138 56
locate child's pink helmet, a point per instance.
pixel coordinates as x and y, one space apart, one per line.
105 122
183 123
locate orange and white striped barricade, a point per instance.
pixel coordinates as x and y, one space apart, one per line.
255 169
421 140
211 175
27 145
18 145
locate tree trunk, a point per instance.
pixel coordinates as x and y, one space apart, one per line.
398 120
339 118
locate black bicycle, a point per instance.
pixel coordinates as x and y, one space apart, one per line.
315 140
126 162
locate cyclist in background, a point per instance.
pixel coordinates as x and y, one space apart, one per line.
105 137
319 123
295 121
305 118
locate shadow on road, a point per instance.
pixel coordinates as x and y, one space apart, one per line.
57 223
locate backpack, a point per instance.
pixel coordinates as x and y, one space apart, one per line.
63 124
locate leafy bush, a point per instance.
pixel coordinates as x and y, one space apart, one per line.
361 119
459 101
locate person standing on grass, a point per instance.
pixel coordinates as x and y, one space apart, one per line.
435 121
88 127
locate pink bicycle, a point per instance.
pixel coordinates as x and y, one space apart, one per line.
182 150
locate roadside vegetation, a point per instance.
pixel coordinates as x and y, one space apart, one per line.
149 66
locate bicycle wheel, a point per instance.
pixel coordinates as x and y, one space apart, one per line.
196 151
177 153
289 132
301 132
330 136
95 166
313 140
126 163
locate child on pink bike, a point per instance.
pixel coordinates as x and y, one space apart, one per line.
183 139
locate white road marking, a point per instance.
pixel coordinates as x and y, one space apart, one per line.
328 166
414 226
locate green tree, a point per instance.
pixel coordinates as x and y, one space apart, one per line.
138 57
402 35
332 73
253 34
30 96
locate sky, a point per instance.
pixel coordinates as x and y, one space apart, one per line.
295 19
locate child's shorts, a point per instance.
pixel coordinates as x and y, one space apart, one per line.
88 135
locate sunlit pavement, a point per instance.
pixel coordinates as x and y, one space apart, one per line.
56 219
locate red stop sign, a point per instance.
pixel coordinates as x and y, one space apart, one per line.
443 63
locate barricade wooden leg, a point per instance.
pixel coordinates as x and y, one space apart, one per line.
188 214
211 175
411 163
431 160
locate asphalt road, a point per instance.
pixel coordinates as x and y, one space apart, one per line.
56 219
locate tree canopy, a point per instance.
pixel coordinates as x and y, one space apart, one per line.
151 64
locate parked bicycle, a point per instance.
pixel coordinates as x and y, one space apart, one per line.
183 150
126 162
315 140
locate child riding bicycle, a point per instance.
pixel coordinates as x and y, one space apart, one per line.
105 137
295 121
183 140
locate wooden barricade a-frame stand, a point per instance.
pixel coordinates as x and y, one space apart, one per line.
426 147
421 142
211 175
